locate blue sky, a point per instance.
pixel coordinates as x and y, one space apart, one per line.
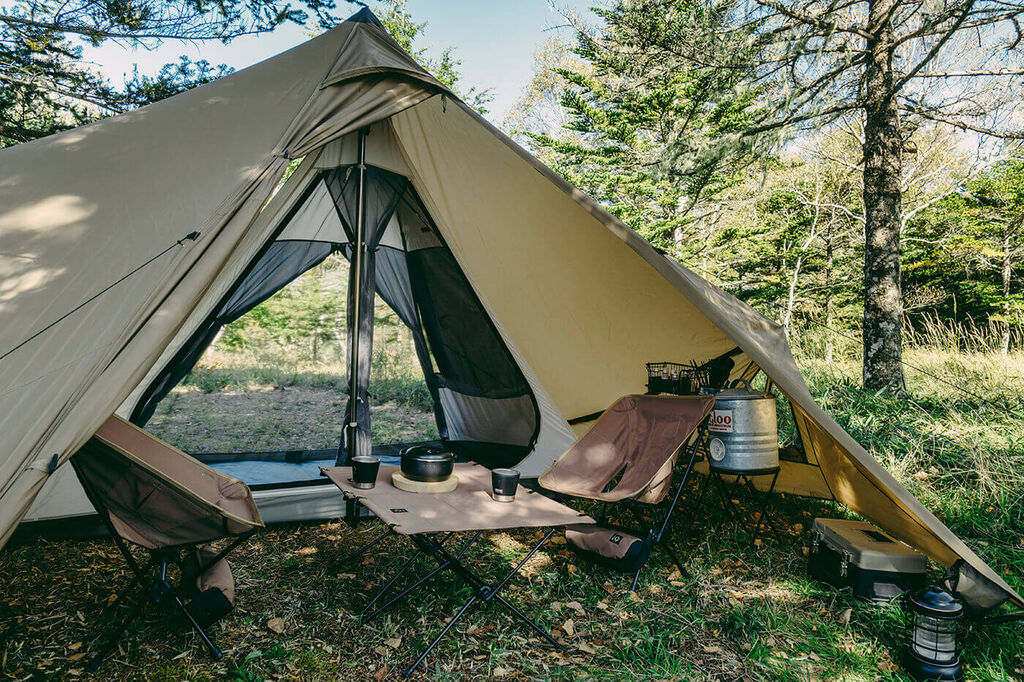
495 39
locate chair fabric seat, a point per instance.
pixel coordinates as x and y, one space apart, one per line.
637 440
156 495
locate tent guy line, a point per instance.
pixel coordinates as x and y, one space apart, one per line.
191 236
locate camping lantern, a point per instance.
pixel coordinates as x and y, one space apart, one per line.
934 619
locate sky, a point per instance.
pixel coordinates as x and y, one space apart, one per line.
494 39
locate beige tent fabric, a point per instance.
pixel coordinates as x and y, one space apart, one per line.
583 301
82 208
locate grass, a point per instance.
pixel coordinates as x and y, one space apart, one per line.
393 377
242 402
746 611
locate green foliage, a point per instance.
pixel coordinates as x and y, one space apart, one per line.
445 67
308 314
965 250
46 86
625 118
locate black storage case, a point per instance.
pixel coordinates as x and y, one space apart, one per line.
856 555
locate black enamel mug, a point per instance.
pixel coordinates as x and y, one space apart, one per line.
364 471
504 483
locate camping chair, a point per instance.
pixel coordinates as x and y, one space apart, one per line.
156 497
628 457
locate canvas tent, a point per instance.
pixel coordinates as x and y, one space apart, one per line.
531 305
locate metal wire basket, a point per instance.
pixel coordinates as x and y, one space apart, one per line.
677 378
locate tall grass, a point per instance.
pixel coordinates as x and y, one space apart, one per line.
932 331
394 375
929 331
956 442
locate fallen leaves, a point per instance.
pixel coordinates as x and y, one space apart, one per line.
276 625
576 606
569 627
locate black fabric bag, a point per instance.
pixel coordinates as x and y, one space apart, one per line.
609 547
210 594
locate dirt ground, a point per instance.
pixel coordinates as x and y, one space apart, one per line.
265 418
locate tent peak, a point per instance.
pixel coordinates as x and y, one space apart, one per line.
365 16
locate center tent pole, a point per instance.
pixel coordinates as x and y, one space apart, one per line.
358 254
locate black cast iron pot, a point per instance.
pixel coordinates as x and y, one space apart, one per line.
424 463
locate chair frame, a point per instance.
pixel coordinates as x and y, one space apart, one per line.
149 583
656 536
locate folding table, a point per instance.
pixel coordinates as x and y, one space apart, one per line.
430 520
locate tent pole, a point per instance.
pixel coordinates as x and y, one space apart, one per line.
352 425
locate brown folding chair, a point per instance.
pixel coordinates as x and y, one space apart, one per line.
628 457
154 496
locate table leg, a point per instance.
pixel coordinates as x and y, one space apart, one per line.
763 500
387 586
461 612
532 623
356 554
723 496
440 567
483 590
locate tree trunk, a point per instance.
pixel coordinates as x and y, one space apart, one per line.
787 319
829 295
1007 275
883 159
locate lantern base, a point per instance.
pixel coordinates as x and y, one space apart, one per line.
930 671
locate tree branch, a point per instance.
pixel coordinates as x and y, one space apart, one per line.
63 92
962 125
817 22
934 51
97 32
969 74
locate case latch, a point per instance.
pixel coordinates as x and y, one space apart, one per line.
844 563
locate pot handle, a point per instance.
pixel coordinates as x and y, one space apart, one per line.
419 449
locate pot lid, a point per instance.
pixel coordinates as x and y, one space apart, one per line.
428 455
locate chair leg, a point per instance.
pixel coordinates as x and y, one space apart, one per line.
215 652
134 583
636 577
664 546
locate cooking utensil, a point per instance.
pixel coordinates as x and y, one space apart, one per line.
425 463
